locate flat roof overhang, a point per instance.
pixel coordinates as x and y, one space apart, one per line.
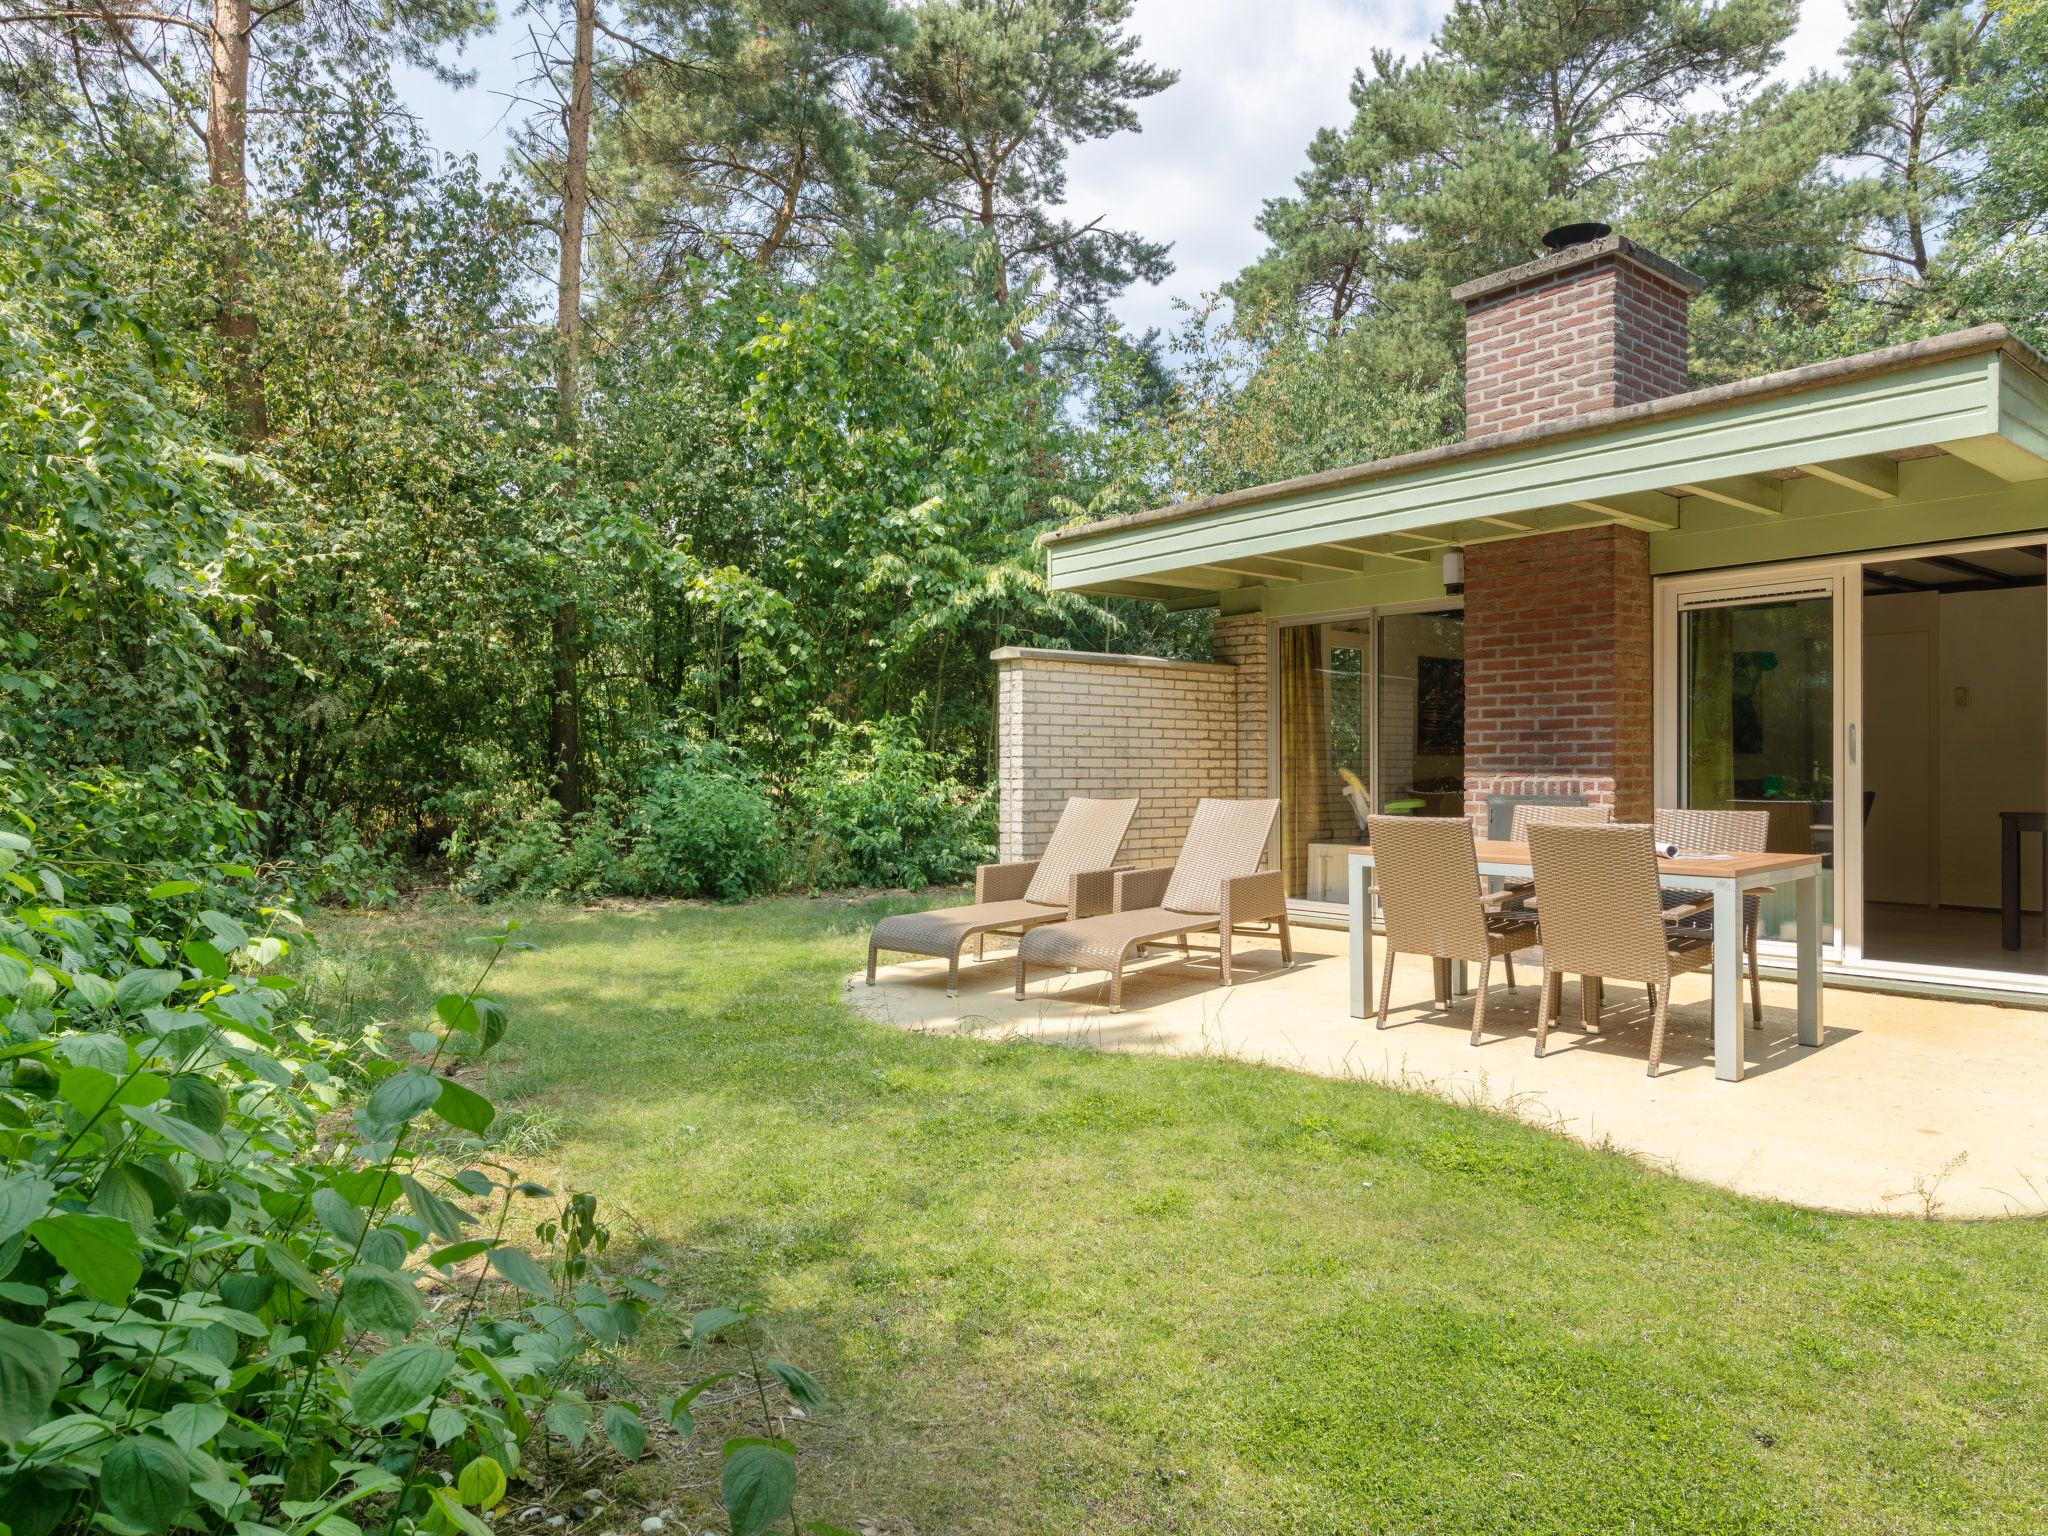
1803 442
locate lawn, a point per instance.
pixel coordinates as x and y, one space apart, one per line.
1050 1290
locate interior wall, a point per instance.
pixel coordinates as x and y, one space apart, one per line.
1994 736
1952 743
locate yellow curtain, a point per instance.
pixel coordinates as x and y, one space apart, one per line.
1304 749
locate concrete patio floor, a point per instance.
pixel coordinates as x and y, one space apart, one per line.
1910 1107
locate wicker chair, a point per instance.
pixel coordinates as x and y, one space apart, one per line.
1602 916
1215 886
1427 870
1724 832
1072 878
1529 814
1526 816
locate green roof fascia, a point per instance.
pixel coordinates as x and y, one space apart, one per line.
1969 389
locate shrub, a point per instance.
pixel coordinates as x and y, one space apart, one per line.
528 848
703 827
875 808
219 1230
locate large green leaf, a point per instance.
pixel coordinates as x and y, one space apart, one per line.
401 1097
23 1197
399 1381
380 1300
518 1266
623 1428
758 1485
90 1090
179 1133
99 1252
464 1108
444 1220
145 1482
197 1101
124 1195
144 989
31 1367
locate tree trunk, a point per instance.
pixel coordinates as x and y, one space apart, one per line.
565 637
227 137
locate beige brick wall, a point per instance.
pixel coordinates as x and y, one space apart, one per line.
1081 723
1241 641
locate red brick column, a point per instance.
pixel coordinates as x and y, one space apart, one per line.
1558 672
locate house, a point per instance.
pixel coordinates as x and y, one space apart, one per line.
1819 591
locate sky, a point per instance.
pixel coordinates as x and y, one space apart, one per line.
1257 79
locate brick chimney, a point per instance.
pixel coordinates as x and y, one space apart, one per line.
1558 625
1596 323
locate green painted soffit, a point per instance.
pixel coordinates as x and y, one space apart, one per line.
1983 404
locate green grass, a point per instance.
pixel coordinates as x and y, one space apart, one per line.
1051 1290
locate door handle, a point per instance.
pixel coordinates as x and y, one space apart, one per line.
1852 741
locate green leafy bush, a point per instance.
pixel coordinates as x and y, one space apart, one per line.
705 827
874 808
531 849
221 1228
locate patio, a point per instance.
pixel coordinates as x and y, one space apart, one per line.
1909 1107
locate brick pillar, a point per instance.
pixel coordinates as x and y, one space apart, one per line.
1241 641
1558 670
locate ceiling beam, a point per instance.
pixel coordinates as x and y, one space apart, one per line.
1870 475
1264 567
1969 568
1314 556
1651 511
1151 592
1360 547
1746 493
1196 578
1996 455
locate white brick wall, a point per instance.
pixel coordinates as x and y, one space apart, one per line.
1082 723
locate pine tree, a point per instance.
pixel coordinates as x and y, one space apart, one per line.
977 115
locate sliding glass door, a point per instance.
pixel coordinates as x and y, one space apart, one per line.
1759 718
1369 719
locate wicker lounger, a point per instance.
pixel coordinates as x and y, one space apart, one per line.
1072 878
1215 886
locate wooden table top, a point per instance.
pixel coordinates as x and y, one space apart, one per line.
1732 866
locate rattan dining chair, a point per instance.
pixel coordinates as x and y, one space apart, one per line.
1601 915
1427 870
1722 832
1528 813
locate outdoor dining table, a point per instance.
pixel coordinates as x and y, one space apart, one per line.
1725 876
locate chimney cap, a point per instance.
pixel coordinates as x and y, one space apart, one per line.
1556 263
1565 236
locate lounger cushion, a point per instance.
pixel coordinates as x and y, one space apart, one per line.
1099 942
943 931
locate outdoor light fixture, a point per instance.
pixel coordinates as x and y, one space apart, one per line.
1454 571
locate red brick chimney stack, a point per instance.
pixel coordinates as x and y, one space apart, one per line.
1595 325
1558 626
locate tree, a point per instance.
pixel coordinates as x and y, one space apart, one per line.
734 126
1910 58
155 48
1523 114
977 115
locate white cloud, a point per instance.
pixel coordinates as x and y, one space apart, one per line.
1257 79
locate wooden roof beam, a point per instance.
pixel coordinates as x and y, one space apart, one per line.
1746 493
1652 511
1263 567
1870 475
